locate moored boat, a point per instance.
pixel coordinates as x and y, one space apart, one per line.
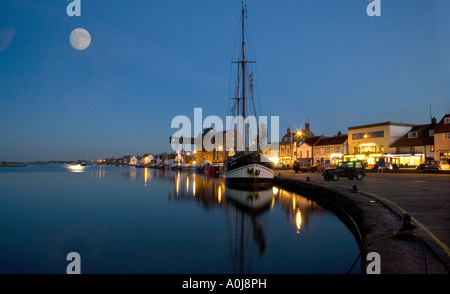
247 168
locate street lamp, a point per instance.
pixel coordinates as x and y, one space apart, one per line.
298 133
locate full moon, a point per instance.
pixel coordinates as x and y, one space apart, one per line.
80 39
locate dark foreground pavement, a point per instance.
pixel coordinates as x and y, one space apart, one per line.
377 207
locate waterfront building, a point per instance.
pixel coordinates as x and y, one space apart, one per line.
442 139
215 156
373 142
290 141
286 147
218 154
133 160
304 150
330 150
125 159
146 159
416 146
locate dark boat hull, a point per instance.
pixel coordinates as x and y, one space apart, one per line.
249 170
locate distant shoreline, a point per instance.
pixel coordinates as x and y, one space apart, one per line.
12 165
24 163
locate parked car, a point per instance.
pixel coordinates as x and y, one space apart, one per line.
437 165
395 167
349 169
386 166
304 167
421 166
320 167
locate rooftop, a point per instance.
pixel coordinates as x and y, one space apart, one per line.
388 123
443 127
335 140
423 137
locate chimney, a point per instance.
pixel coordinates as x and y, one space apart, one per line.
433 121
288 130
307 127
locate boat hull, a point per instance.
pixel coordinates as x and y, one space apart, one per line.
248 171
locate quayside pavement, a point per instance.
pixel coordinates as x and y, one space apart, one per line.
425 197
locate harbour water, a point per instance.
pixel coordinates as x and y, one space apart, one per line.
149 221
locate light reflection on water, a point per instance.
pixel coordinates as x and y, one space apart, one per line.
140 220
75 168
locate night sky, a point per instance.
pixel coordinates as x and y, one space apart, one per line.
318 61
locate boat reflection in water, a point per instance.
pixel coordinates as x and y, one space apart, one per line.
244 224
244 211
251 199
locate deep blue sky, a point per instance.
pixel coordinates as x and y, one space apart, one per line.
321 61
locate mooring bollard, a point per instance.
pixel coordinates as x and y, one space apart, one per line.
406 223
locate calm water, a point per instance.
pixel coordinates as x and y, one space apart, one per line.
133 220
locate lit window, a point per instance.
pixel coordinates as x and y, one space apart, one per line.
357 136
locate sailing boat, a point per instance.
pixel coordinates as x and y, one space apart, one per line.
247 169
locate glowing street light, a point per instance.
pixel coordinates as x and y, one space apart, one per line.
298 133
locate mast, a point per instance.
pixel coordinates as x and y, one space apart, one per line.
237 94
243 61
